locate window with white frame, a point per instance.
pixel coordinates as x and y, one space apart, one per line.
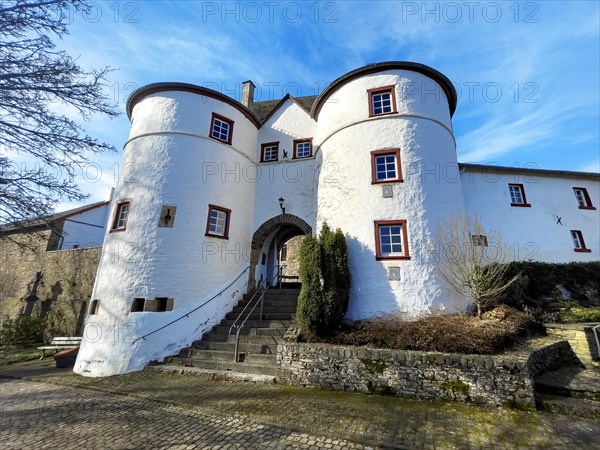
302 148
221 128
385 166
583 198
218 222
121 214
382 101
517 195
578 241
269 152
391 239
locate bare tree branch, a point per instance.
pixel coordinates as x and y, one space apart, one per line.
474 261
34 75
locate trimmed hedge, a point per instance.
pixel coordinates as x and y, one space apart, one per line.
539 282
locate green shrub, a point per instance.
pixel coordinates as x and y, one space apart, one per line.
325 275
574 315
22 329
539 280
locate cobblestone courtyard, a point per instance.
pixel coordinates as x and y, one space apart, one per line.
50 408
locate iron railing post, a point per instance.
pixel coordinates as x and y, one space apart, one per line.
239 327
237 345
596 331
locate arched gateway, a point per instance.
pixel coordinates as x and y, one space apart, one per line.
267 240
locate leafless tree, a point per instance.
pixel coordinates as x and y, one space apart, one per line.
474 261
37 81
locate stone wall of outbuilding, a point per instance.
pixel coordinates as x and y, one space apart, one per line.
37 281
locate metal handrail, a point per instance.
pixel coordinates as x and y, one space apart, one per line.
260 300
596 331
193 310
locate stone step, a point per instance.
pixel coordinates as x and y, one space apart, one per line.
246 339
252 331
571 381
255 323
219 355
286 305
569 406
209 364
256 316
244 347
213 374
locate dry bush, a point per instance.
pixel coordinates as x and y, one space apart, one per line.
497 330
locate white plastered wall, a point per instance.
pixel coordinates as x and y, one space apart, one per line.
170 161
86 229
534 233
347 199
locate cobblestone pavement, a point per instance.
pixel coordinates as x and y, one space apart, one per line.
40 415
158 410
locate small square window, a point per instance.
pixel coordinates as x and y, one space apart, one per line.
578 241
218 222
164 304
583 198
382 101
138 305
385 166
479 240
121 215
302 148
221 128
391 239
517 195
269 152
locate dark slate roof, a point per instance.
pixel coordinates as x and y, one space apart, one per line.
491 169
263 109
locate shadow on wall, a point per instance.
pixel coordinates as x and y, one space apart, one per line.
371 292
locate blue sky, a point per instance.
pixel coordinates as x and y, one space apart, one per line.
527 73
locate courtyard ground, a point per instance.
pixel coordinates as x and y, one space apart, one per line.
45 407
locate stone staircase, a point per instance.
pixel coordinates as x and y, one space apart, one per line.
258 338
572 390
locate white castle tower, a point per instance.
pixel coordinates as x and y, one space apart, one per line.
389 180
196 220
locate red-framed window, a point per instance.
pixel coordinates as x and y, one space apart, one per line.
583 198
517 195
217 222
385 166
121 215
221 128
269 152
302 148
579 242
391 239
382 101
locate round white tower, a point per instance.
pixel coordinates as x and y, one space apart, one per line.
389 178
179 229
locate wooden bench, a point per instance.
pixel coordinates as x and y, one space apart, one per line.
60 343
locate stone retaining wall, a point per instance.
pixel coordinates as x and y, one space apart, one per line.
481 379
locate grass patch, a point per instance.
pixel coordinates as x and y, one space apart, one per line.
10 354
499 329
577 315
